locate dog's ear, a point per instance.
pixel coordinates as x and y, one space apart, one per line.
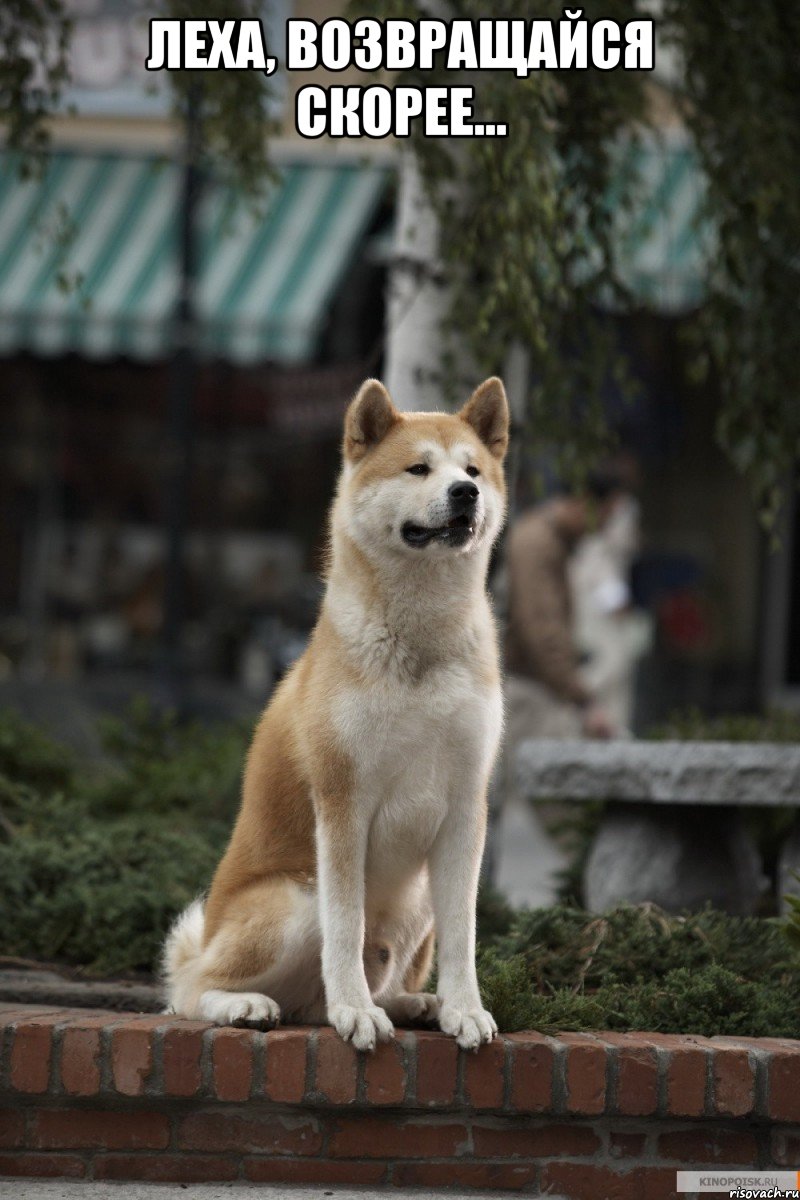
487 412
369 418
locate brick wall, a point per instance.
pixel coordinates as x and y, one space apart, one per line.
104 1095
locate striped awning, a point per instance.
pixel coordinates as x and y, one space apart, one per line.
663 245
89 257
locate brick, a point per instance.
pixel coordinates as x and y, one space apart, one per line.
182 1049
74 1129
637 1074
524 1140
626 1145
437 1067
687 1071
285 1079
658 1183
232 1063
80 1061
709 1146
734 1083
337 1069
11 1013
267 1132
42 1166
785 1148
313 1170
12 1128
385 1073
31 1054
585 1075
531 1073
581 1181
784 1085
373 1137
484 1075
506 1176
131 1059
166 1168
724 1042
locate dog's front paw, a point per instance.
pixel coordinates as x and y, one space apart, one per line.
361 1026
468 1025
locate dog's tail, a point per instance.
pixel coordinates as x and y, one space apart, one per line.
180 959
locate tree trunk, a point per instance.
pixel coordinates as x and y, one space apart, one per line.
418 298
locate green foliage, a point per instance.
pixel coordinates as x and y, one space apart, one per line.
99 894
166 767
743 109
792 923
95 862
637 968
233 106
519 213
526 228
567 947
30 755
34 35
494 914
692 725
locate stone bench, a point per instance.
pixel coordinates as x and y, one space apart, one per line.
672 832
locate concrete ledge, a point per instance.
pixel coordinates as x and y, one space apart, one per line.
98 1095
740 773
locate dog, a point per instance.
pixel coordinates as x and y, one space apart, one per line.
363 812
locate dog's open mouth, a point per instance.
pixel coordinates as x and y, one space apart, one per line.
456 532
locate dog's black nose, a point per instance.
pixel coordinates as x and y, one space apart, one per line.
462 494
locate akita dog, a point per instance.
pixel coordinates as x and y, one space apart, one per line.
364 799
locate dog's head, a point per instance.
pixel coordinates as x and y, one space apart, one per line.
424 484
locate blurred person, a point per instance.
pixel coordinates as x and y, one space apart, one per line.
547 695
611 634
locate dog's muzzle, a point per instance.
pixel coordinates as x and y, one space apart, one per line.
461 525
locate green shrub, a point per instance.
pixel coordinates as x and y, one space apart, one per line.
692 725
100 894
30 756
96 860
160 765
95 863
637 968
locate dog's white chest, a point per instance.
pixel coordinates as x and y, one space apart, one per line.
415 750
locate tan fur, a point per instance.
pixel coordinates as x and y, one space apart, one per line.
418 973
301 783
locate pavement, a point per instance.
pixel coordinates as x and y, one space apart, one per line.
54 1189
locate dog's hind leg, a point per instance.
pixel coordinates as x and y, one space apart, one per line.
251 1009
412 1004
409 932
262 958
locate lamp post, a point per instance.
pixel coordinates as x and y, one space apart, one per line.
180 404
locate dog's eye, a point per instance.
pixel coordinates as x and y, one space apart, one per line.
472 471
419 469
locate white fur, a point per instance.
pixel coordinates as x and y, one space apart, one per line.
421 728
423 732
